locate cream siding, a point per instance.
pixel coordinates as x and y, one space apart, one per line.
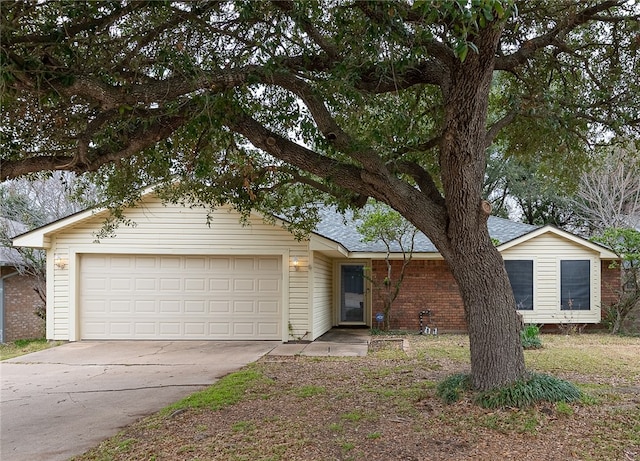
299 322
322 294
546 251
173 229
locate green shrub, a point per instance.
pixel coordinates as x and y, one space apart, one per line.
538 388
530 337
452 387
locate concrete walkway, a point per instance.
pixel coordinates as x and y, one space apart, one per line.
337 342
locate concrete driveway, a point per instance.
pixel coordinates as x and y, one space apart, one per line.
59 402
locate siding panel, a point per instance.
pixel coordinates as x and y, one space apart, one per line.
322 294
546 251
175 230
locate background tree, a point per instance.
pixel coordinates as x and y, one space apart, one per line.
609 193
382 224
266 104
526 191
30 203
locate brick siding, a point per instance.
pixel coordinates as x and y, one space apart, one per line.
20 302
429 285
610 283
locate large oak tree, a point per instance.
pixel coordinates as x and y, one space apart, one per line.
271 104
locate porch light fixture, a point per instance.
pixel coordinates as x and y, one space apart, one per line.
296 263
61 262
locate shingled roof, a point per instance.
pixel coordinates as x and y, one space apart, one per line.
343 230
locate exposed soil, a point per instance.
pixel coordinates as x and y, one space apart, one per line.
383 407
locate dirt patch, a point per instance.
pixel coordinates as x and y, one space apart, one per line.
382 407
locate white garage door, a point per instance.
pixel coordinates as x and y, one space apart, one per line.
180 297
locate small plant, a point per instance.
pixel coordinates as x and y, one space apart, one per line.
563 408
352 416
309 391
347 446
538 388
336 427
452 388
530 337
243 426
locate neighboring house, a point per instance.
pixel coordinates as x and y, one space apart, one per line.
173 276
18 299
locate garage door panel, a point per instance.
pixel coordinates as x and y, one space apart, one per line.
120 306
244 329
149 284
121 262
268 307
269 285
219 329
142 328
171 297
145 262
170 328
170 284
265 328
219 307
268 264
195 263
244 285
170 306
216 284
198 307
169 263
244 264
193 284
120 328
144 306
244 307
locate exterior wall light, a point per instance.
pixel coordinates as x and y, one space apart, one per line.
60 262
296 263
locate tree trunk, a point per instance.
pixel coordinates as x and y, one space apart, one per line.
497 357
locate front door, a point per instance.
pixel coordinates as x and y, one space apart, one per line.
352 290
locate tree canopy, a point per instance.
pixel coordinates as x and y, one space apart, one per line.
273 105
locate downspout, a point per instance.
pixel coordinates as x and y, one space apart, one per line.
2 279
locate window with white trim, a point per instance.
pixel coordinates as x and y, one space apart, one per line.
520 274
575 285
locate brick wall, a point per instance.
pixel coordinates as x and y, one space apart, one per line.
428 285
20 302
609 283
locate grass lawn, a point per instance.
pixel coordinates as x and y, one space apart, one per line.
25 346
384 407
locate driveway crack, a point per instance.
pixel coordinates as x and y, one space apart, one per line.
125 389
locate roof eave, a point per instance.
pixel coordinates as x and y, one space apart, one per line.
603 252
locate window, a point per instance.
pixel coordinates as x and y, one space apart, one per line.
575 285
520 274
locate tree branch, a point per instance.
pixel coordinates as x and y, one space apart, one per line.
531 46
303 22
423 179
494 129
